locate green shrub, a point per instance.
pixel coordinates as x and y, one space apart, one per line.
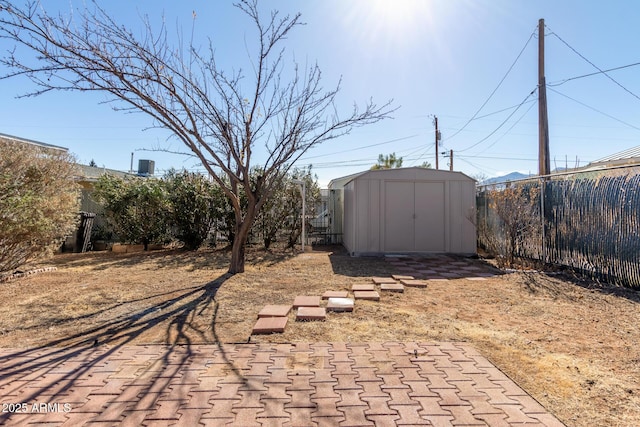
39 202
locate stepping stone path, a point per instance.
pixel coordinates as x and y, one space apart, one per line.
340 304
335 294
269 325
275 311
401 277
392 287
415 283
306 301
366 295
414 272
311 313
362 287
381 280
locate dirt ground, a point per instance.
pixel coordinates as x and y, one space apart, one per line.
572 345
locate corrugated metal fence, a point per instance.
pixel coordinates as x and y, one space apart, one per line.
588 223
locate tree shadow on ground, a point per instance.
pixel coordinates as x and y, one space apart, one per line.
106 340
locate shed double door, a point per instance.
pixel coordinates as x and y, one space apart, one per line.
414 216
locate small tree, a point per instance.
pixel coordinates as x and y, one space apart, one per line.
136 208
389 161
221 117
39 202
192 201
282 214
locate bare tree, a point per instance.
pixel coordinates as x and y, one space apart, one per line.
219 116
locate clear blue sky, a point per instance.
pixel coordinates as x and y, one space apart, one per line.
433 57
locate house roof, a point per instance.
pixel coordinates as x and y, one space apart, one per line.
92 173
44 145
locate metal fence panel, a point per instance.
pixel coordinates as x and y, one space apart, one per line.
590 223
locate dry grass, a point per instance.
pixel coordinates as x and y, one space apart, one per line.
570 345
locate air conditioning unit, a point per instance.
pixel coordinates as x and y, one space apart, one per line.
146 167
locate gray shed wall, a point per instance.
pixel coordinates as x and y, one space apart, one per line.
412 210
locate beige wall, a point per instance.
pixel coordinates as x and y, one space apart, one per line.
412 210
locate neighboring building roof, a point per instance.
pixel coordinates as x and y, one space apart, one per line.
92 173
626 157
46 146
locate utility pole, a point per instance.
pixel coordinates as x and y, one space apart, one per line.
544 165
435 120
450 156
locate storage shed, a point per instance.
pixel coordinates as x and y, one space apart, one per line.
409 210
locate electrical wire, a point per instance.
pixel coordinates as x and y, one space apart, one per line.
482 170
497 87
561 82
503 110
501 124
594 109
594 65
360 148
509 130
494 157
421 156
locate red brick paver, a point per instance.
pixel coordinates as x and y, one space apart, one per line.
439 267
414 283
335 294
275 311
306 301
363 287
381 280
392 287
269 325
311 313
367 295
319 384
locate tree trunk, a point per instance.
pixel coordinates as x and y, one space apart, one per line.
237 253
241 235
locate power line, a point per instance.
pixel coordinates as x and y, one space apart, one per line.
501 124
594 109
508 130
494 157
561 82
421 156
503 110
497 87
360 148
595 66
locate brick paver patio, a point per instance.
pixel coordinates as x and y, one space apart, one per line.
299 384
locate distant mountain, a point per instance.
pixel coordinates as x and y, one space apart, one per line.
509 177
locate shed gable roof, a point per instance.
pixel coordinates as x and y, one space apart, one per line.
411 173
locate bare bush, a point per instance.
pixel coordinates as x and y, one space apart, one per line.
512 222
